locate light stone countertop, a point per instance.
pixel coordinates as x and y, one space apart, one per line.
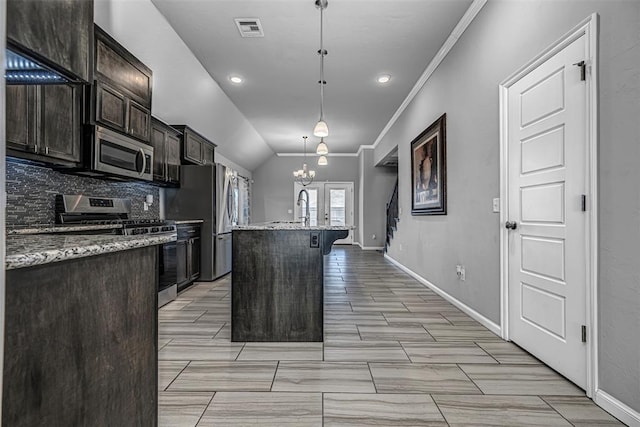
30 250
60 228
188 221
290 225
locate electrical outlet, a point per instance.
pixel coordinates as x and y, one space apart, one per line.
399 211
400 247
496 204
460 272
373 237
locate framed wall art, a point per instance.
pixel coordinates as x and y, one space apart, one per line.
429 170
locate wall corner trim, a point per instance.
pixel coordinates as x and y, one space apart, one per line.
616 408
462 25
485 321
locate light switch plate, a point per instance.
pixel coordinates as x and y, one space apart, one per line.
496 204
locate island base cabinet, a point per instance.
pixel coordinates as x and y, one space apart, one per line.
276 286
81 342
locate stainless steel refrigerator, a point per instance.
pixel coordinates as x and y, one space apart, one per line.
208 193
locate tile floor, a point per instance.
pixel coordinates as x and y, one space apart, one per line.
395 353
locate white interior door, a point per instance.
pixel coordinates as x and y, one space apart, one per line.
547 255
330 203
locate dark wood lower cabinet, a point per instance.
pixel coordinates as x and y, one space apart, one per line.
81 342
188 255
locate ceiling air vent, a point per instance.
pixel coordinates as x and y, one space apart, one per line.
249 27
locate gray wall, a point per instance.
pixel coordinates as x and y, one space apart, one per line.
272 190
31 192
377 184
504 36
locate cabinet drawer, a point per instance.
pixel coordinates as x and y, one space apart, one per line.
186 232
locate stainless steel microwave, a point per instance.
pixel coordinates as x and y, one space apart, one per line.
115 154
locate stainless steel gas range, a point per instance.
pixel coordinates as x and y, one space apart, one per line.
81 209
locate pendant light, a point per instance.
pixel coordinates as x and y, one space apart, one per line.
321 129
322 161
322 148
304 175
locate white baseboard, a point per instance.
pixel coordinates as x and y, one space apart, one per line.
488 323
369 248
618 409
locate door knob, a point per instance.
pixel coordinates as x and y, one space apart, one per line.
511 225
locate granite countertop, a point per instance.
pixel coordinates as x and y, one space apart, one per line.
188 221
290 225
59 228
30 250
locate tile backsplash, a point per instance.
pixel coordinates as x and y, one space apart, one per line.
31 192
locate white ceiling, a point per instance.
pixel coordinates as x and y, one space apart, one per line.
280 95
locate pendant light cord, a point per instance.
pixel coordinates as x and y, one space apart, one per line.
322 53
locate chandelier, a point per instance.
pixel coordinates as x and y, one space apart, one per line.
321 129
304 175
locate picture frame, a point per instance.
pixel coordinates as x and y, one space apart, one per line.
429 170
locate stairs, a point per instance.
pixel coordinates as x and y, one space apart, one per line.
392 216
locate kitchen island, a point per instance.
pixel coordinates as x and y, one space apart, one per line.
277 281
81 329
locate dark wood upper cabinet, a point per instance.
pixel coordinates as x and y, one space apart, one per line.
44 123
196 149
166 152
56 31
122 90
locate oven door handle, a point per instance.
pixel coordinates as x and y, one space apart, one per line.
144 162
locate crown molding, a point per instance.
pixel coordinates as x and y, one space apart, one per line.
462 25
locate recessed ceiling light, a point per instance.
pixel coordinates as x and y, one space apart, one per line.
384 78
236 79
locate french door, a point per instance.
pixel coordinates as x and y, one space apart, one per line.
330 203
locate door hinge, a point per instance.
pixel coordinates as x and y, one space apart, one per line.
584 333
583 70
584 203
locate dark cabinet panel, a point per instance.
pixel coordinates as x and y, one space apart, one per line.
196 149
118 66
188 254
139 121
44 123
195 258
57 30
21 117
192 148
182 262
166 143
158 144
207 154
111 107
61 121
172 149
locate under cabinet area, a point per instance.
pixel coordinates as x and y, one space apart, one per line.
44 122
188 255
165 141
196 149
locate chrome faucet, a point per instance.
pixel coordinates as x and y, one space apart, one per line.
307 216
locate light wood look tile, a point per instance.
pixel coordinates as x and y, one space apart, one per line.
323 377
364 351
168 371
388 333
200 349
378 365
421 378
264 409
346 409
281 351
508 353
505 411
225 376
581 411
519 379
179 409
442 352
